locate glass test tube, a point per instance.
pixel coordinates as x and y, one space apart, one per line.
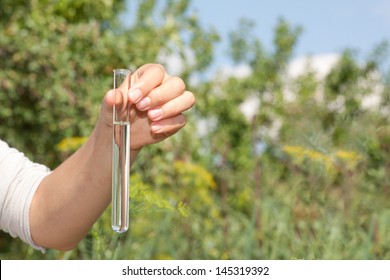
121 152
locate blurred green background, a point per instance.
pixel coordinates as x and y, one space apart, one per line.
268 167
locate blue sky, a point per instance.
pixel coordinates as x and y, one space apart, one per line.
329 26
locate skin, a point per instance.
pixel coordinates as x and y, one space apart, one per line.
70 200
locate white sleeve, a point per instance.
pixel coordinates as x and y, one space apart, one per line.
19 179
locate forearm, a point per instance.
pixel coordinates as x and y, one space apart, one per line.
70 199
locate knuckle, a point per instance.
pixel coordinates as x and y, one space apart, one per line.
158 69
177 122
191 98
157 96
154 70
178 84
182 120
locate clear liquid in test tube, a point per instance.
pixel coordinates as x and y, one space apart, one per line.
121 152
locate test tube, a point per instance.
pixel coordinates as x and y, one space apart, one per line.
121 152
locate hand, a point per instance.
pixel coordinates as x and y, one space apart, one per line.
157 104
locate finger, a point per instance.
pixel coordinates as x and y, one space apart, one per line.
169 126
146 79
173 107
170 89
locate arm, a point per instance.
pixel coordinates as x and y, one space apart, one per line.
70 199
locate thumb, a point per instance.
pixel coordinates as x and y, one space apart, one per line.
109 100
107 107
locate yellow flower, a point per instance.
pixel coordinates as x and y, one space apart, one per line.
301 155
350 158
71 143
195 173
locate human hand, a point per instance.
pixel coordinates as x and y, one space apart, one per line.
157 104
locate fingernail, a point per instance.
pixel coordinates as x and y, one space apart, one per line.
156 127
135 95
155 114
144 103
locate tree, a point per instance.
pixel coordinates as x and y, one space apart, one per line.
57 60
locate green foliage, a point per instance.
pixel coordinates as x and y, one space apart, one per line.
301 178
57 59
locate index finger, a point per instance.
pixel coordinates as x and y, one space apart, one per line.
145 79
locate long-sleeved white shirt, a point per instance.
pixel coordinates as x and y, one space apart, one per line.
19 179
